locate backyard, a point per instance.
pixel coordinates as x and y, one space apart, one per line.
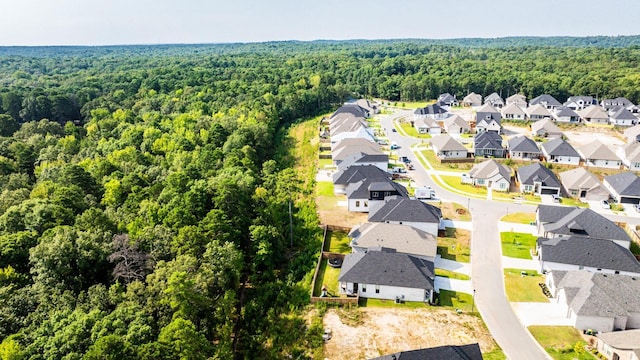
330 211
337 242
455 245
517 245
522 286
327 277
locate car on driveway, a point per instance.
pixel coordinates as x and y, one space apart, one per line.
605 204
556 198
394 130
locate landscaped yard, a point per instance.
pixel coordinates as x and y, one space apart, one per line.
455 211
517 245
337 242
451 274
455 245
520 218
327 276
523 288
435 163
456 183
561 342
411 131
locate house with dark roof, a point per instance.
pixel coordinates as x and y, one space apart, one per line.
585 253
410 212
488 144
546 128
582 184
594 114
490 174
448 352
369 192
513 112
354 174
562 221
517 99
400 238
565 115
597 154
446 147
347 148
456 125
427 125
607 104
494 100
619 345
386 274
434 111
523 148
448 99
597 301
380 160
624 187
353 109
537 179
545 100
488 119
622 117
630 155
579 102
472 99
560 151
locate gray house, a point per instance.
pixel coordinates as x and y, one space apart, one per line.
523 148
545 100
488 144
433 111
559 151
449 352
580 183
624 187
472 99
594 114
566 115
579 102
597 154
538 179
448 99
401 238
494 100
446 147
488 119
410 212
546 128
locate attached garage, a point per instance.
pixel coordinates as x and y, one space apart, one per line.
624 187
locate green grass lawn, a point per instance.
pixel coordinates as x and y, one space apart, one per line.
520 218
560 342
457 300
494 355
327 276
435 163
411 131
455 245
517 245
456 183
390 304
338 242
324 188
324 163
451 274
573 202
523 288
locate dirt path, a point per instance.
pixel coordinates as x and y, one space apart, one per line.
365 333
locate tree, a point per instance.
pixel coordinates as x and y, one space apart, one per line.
130 263
8 125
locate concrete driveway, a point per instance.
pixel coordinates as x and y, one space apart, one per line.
537 313
459 267
443 283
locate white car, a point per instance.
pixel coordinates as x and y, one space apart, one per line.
605 204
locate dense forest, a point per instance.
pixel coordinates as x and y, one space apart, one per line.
145 190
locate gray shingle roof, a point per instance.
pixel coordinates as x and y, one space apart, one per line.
446 98
488 169
538 110
448 352
446 143
360 189
549 126
537 172
488 113
408 210
598 151
585 251
628 339
559 147
432 109
593 112
402 238
487 140
354 109
388 269
579 179
512 108
626 183
565 111
457 120
473 98
354 174
579 221
623 114
523 143
362 158
545 99
493 98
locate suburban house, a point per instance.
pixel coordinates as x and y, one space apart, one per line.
434 111
619 345
367 192
517 99
341 122
353 109
387 275
617 102
597 301
566 115
538 112
513 112
456 125
369 106
449 352
562 221
523 148
347 148
537 179
490 174
579 102
427 125
448 99
559 151
545 100
379 160
632 134
446 147
488 119
545 128
622 117
630 155
472 99
354 174
488 144
410 212
597 154
594 114
400 238
624 187
351 131
494 100
582 184
584 253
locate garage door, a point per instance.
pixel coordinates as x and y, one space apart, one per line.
549 191
629 200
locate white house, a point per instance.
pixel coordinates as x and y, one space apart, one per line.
559 151
597 154
490 174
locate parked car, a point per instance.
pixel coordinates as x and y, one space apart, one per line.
556 198
636 207
326 336
394 130
605 204
410 166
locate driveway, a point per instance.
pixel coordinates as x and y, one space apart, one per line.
537 313
462 268
443 283
516 263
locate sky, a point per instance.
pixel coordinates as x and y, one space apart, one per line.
118 22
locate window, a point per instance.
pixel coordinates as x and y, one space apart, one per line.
364 288
377 289
503 185
480 181
366 204
374 194
617 272
357 203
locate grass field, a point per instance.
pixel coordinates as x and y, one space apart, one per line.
457 300
455 245
560 342
517 245
411 131
520 218
523 288
451 274
337 242
327 276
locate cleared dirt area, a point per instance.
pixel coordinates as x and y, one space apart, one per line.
379 331
589 135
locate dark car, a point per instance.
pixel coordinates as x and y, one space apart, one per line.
394 130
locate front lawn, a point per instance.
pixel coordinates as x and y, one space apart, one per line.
457 300
411 131
517 245
456 183
455 245
561 342
435 163
520 218
523 288
451 274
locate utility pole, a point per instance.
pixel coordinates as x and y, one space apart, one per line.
473 300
